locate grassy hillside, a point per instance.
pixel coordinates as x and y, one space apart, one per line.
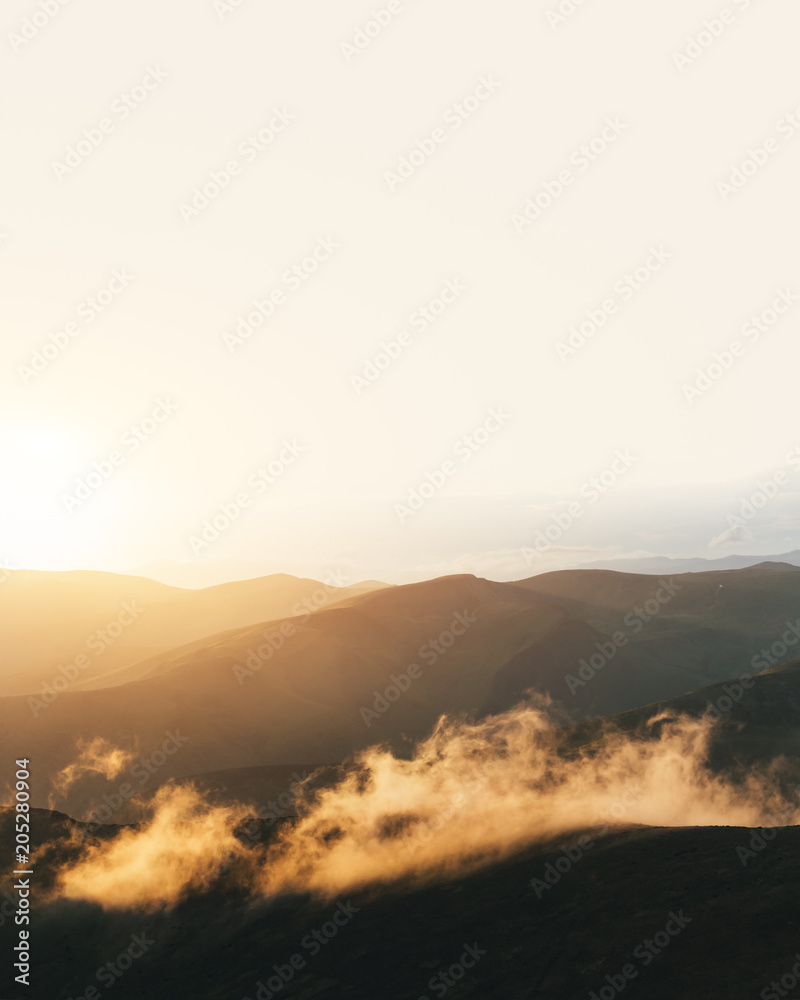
92 624
701 627
736 930
758 720
384 665
317 688
696 913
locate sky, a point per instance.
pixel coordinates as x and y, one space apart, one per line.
382 288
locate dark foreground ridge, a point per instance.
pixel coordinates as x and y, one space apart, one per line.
695 913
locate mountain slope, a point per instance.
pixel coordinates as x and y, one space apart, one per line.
316 688
613 908
758 721
92 624
383 666
705 626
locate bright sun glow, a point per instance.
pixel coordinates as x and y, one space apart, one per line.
38 463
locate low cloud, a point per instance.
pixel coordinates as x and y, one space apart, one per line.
473 792
738 534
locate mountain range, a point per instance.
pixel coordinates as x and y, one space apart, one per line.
382 665
263 693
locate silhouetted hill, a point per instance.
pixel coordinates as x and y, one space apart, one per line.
675 908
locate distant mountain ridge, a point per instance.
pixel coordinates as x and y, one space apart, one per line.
667 564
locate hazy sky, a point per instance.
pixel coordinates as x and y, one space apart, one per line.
405 158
